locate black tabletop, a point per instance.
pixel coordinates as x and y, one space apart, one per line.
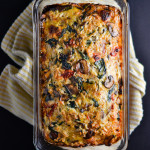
16 134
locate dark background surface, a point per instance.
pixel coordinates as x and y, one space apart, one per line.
16 134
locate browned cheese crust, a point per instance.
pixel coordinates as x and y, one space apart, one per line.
80 74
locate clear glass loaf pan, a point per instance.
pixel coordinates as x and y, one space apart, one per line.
38 138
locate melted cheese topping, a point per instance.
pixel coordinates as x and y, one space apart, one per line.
80 74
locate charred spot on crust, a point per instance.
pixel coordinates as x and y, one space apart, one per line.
42 81
43 56
120 86
53 29
55 7
71 89
105 14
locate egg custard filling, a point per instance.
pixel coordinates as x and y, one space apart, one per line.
81 74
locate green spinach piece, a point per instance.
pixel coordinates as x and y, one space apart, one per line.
110 92
61 123
67 90
67 8
66 65
72 104
63 59
61 48
52 85
80 83
52 42
101 68
95 102
90 81
56 60
54 124
63 32
88 42
59 116
75 23
48 98
91 33
69 29
86 6
118 118
84 56
73 51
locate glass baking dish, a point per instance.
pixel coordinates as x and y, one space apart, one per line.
38 138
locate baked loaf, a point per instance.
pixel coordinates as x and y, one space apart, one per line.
80 74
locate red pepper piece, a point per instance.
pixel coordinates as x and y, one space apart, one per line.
68 74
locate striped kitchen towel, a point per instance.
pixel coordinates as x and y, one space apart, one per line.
16 84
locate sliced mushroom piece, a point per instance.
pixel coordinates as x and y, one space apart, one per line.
108 140
82 66
112 30
71 89
108 110
56 93
109 82
53 134
89 134
105 14
73 80
53 29
102 114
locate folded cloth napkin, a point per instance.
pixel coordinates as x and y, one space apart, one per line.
16 84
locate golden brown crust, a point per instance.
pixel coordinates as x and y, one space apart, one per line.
80 74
